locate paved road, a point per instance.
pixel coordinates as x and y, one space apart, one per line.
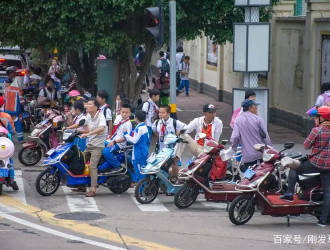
30 221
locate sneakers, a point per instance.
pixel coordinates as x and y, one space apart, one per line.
14 186
286 197
321 223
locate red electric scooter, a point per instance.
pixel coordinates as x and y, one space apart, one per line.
197 177
262 185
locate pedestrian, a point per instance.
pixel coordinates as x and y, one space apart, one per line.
249 94
11 72
249 129
117 139
163 64
97 134
208 124
151 109
324 98
184 69
139 58
119 97
102 97
27 79
141 143
79 110
54 72
179 57
124 101
166 125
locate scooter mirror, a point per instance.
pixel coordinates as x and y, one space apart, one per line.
182 131
288 145
224 142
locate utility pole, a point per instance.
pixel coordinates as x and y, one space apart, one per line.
173 59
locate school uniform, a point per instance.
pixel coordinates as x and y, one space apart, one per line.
163 128
151 109
107 114
141 143
118 132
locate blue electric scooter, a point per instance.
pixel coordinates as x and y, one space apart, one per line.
157 172
66 165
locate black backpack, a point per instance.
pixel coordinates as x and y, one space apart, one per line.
182 58
140 107
105 114
165 66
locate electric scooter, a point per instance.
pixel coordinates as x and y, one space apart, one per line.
157 172
66 165
262 185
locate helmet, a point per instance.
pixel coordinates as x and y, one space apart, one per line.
324 111
74 93
312 112
10 69
7 148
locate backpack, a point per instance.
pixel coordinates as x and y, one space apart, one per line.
168 55
105 114
165 66
139 59
326 99
140 107
182 58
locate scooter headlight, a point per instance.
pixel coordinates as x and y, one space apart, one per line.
35 132
26 108
170 139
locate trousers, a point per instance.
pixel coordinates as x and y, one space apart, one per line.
96 154
108 153
19 129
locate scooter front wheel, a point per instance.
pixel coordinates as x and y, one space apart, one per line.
146 190
29 156
241 210
47 183
186 196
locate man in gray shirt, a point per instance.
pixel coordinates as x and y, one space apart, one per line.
249 129
97 134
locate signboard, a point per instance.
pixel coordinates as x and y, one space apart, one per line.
252 3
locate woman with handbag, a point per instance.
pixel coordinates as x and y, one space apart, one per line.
318 162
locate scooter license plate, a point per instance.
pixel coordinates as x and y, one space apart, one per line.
189 161
249 173
4 172
50 152
151 158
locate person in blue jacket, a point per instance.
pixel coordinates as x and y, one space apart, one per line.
141 143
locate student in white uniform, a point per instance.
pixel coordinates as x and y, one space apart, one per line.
167 125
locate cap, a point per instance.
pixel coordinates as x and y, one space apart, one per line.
209 108
248 103
2 101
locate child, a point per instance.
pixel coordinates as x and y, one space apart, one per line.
102 97
184 69
78 109
117 139
119 98
140 139
151 108
124 101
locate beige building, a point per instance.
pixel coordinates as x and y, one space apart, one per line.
300 62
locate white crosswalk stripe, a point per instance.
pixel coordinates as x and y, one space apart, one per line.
155 206
78 202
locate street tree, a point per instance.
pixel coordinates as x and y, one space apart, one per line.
84 28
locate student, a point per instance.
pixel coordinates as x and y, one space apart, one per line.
151 108
117 140
79 109
102 97
166 125
163 64
184 69
119 97
140 138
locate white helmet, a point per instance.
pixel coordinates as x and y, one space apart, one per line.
7 148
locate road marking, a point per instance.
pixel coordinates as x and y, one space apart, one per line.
58 233
178 109
20 194
219 205
155 206
82 228
79 202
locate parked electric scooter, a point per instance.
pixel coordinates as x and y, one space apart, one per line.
262 185
45 135
196 176
157 172
66 165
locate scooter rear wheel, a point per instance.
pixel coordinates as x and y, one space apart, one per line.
29 157
47 183
146 191
123 187
244 211
186 196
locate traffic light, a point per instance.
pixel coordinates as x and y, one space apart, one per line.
156 24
